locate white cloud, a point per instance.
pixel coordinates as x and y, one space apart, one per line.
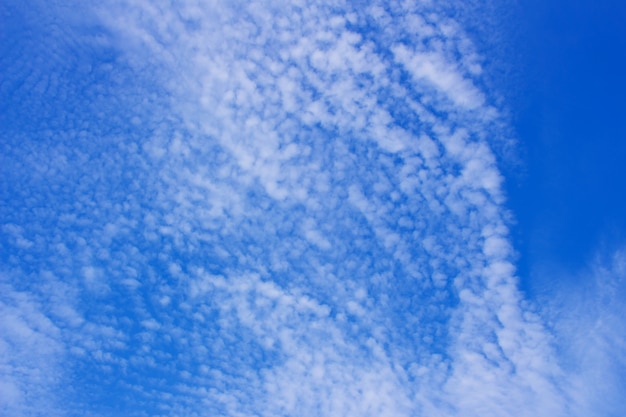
31 356
431 68
267 94
285 225
589 324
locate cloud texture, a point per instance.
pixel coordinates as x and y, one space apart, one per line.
244 209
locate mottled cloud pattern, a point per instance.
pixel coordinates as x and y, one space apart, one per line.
255 209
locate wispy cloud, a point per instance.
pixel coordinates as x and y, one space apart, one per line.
588 322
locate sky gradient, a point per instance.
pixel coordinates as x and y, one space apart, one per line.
302 208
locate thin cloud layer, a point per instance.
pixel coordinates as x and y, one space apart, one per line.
589 326
247 209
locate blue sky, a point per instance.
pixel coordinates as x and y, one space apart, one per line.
403 208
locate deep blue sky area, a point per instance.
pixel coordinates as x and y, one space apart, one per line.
569 201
